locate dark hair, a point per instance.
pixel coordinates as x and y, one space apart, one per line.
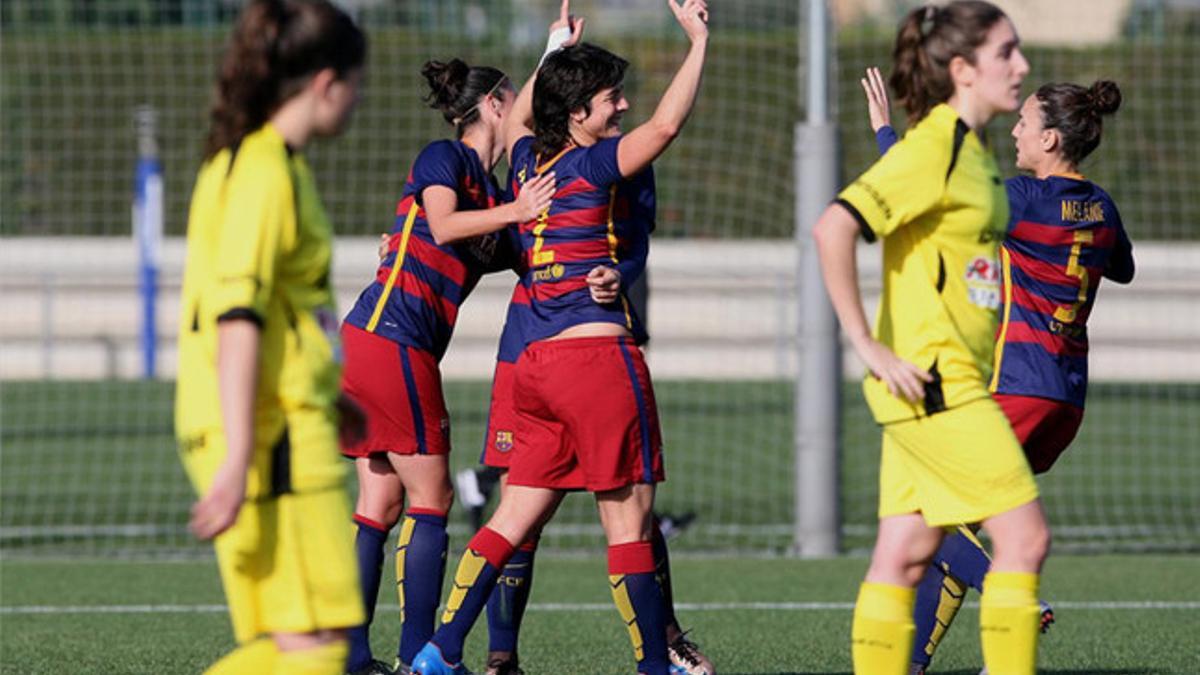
1076 113
275 49
566 82
929 38
456 89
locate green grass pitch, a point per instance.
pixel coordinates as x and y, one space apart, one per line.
573 628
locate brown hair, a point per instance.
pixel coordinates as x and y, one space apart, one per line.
276 47
566 82
456 89
929 38
1076 113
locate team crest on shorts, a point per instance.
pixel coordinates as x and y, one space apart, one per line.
504 441
983 282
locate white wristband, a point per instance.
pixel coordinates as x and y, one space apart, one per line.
555 42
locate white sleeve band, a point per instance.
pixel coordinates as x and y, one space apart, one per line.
555 42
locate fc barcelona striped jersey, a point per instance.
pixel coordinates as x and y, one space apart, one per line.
419 285
595 218
1064 233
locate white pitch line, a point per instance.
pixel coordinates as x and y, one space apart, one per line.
594 607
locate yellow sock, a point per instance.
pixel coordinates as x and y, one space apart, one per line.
257 656
328 659
882 634
1008 623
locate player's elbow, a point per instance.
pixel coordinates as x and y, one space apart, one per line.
666 130
440 233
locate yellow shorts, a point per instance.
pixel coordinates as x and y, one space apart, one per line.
288 564
959 466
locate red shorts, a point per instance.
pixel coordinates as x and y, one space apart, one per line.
400 390
502 418
586 416
1044 426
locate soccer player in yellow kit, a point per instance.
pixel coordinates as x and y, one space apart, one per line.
949 454
257 404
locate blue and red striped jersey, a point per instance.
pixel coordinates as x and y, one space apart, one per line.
419 286
1064 233
595 218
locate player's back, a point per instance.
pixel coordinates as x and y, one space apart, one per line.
420 284
1065 233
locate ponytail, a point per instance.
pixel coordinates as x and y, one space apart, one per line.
276 48
928 39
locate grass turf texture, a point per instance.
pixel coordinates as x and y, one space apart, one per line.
592 640
101 455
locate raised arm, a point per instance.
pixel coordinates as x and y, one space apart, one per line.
567 30
836 234
879 109
644 144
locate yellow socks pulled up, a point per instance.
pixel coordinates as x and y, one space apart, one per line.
882 634
1009 619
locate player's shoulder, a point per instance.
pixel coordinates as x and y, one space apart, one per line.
441 151
930 142
261 157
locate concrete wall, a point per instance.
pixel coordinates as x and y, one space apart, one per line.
69 308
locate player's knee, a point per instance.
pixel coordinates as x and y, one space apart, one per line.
1025 549
379 507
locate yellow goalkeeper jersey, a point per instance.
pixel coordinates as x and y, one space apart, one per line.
259 247
937 201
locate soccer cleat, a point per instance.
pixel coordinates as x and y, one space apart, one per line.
472 495
503 667
429 661
402 669
373 668
1047 615
671 524
687 659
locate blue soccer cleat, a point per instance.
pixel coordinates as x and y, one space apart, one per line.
429 661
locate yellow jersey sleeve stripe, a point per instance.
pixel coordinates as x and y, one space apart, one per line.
612 250
396 266
1002 335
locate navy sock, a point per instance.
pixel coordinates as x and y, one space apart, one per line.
639 599
368 544
506 606
487 553
420 568
960 563
662 570
964 557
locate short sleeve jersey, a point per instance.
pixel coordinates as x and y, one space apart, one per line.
937 201
1064 234
595 218
419 286
259 246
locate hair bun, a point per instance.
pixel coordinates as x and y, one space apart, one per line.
1105 97
446 82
